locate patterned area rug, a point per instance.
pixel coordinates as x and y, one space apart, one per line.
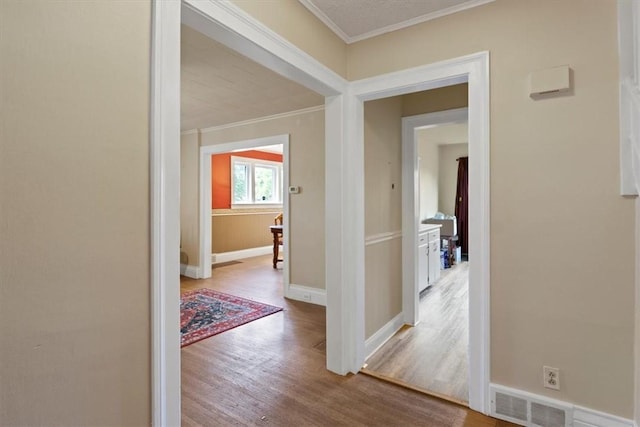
205 312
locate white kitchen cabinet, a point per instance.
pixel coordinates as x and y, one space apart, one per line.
423 261
428 256
434 256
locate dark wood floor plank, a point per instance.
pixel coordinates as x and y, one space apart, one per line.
271 372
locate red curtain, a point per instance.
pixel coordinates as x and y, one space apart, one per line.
462 203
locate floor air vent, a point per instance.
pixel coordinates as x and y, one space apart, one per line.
527 409
511 406
547 416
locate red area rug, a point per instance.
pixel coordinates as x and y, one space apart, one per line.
205 312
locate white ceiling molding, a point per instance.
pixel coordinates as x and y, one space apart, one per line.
263 119
343 32
326 20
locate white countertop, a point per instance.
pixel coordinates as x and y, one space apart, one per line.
425 228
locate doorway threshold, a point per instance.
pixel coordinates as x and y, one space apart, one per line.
409 386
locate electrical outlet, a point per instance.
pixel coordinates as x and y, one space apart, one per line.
551 377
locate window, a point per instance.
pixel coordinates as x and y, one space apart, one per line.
255 182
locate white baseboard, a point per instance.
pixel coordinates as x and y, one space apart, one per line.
383 335
575 416
241 254
307 294
585 417
189 271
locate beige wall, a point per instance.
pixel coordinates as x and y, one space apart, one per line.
231 232
428 165
293 21
558 296
189 199
74 245
306 170
383 211
448 175
430 101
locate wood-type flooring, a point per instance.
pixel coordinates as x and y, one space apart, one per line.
433 355
271 372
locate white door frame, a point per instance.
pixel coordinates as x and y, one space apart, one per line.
344 178
473 69
206 151
410 202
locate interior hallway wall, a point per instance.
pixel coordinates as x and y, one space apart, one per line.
448 175
74 191
429 172
306 169
189 199
551 160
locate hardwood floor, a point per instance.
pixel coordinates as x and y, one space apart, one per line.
432 356
271 372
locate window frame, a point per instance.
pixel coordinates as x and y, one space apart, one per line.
253 163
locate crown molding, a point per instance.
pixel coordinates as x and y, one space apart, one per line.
389 28
263 119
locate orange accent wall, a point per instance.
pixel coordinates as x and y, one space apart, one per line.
221 174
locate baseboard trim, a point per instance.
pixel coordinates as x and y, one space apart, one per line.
576 416
241 254
189 271
307 294
585 417
377 340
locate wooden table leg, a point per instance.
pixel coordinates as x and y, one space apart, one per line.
276 248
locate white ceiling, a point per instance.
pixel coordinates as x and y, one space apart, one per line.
355 20
445 134
220 86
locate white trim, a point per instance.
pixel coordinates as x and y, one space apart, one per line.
474 69
576 416
585 417
189 132
263 119
326 20
628 45
382 335
307 294
410 202
389 28
241 254
165 213
382 237
205 197
344 234
417 79
230 25
189 271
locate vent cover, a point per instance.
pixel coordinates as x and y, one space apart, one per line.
511 406
547 416
529 409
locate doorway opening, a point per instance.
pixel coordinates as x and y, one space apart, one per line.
430 352
344 262
233 226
